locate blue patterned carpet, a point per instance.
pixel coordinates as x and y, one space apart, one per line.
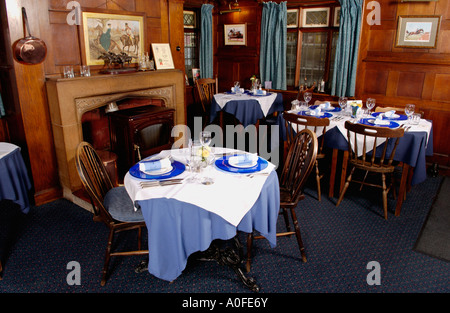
339 242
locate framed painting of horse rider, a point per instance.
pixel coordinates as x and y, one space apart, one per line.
417 31
117 32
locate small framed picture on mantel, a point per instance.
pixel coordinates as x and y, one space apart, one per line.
162 56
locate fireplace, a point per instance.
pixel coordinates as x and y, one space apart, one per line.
70 98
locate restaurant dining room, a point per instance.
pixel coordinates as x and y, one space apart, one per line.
224 154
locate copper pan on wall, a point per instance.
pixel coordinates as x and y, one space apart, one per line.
29 50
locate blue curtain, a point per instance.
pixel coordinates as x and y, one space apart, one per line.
272 58
206 42
2 109
344 75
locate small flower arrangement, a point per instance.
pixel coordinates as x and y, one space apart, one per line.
204 152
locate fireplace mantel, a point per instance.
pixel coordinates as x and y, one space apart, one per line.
69 98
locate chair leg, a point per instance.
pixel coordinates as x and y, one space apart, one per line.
249 251
383 178
298 234
107 257
349 178
286 220
318 181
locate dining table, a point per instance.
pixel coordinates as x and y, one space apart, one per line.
412 149
186 217
247 107
14 181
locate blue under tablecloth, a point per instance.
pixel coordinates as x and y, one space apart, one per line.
248 112
177 229
14 181
412 149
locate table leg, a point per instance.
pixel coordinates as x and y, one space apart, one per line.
402 189
333 173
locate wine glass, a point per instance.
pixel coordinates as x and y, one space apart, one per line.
370 104
237 87
307 96
205 138
409 110
343 103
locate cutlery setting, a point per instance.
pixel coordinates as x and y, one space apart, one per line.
158 183
405 127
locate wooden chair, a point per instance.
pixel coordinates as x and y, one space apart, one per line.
294 123
206 89
299 164
111 205
369 162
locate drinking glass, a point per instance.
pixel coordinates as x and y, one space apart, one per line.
85 70
343 103
370 104
68 71
205 138
409 110
307 96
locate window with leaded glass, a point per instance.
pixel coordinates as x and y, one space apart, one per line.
311 47
191 39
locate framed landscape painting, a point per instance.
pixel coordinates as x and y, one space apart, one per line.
109 32
417 31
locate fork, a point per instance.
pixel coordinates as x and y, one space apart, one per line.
157 183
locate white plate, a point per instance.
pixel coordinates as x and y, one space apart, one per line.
234 161
159 172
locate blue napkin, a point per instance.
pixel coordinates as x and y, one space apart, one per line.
315 112
154 165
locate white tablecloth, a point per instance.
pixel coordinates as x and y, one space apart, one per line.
264 101
233 194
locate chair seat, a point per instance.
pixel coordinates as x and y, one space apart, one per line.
372 168
119 205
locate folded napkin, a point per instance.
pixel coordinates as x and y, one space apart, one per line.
315 112
259 92
389 114
154 165
325 105
244 159
379 121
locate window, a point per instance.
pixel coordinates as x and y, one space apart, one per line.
191 40
311 47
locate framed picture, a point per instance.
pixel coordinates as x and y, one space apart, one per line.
235 34
292 18
195 74
337 17
316 17
162 56
103 31
417 31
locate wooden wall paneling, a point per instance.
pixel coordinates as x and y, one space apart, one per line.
441 90
410 84
176 30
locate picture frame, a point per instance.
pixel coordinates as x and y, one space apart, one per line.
104 31
195 74
235 34
417 31
309 17
162 55
292 18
